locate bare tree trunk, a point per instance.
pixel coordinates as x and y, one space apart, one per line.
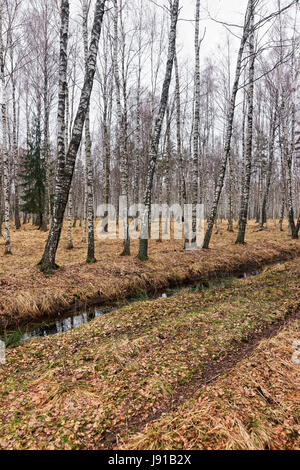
263 211
160 201
182 183
107 112
70 221
138 115
14 135
230 176
70 245
229 128
66 165
196 130
283 182
88 156
288 158
168 168
84 215
122 140
107 156
6 180
144 242
288 155
46 215
248 162
282 214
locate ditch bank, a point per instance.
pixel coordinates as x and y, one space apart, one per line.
183 270
140 361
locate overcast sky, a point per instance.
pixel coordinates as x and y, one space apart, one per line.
228 11
231 11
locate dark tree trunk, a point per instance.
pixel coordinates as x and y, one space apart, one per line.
263 212
143 246
227 148
5 155
230 215
89 169
248 163
66 165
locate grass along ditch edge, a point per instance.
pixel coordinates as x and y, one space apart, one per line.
114 374
149 287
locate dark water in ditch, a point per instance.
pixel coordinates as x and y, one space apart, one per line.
78 318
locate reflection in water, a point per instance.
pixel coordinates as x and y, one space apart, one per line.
65 324
78 319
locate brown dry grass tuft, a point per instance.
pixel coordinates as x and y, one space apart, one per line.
254 407
26 293
92 385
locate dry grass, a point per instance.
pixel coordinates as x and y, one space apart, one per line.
100 382
26 293
256 406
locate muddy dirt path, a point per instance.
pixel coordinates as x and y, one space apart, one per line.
212 371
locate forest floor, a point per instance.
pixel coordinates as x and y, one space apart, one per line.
26 293
207 368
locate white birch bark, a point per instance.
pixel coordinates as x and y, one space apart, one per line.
122 135
265 197
46 110
88 155
138 115
144 242
182 184
244 206
65 171
107 91
229 129
196 129
6 179
14 134
70 245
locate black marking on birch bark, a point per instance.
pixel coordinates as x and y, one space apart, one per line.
65 170
6 181
248 162
229 129
143 245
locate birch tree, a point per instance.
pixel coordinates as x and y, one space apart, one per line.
229 129
122 116
143 245
6 178
244 206
88 150
12 40
196 129
138 110
106 90
272 135
66 165
182 184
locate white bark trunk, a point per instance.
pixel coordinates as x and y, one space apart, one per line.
143 248
6 179
65 171
229 129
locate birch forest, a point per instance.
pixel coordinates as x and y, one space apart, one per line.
106 119
111 109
